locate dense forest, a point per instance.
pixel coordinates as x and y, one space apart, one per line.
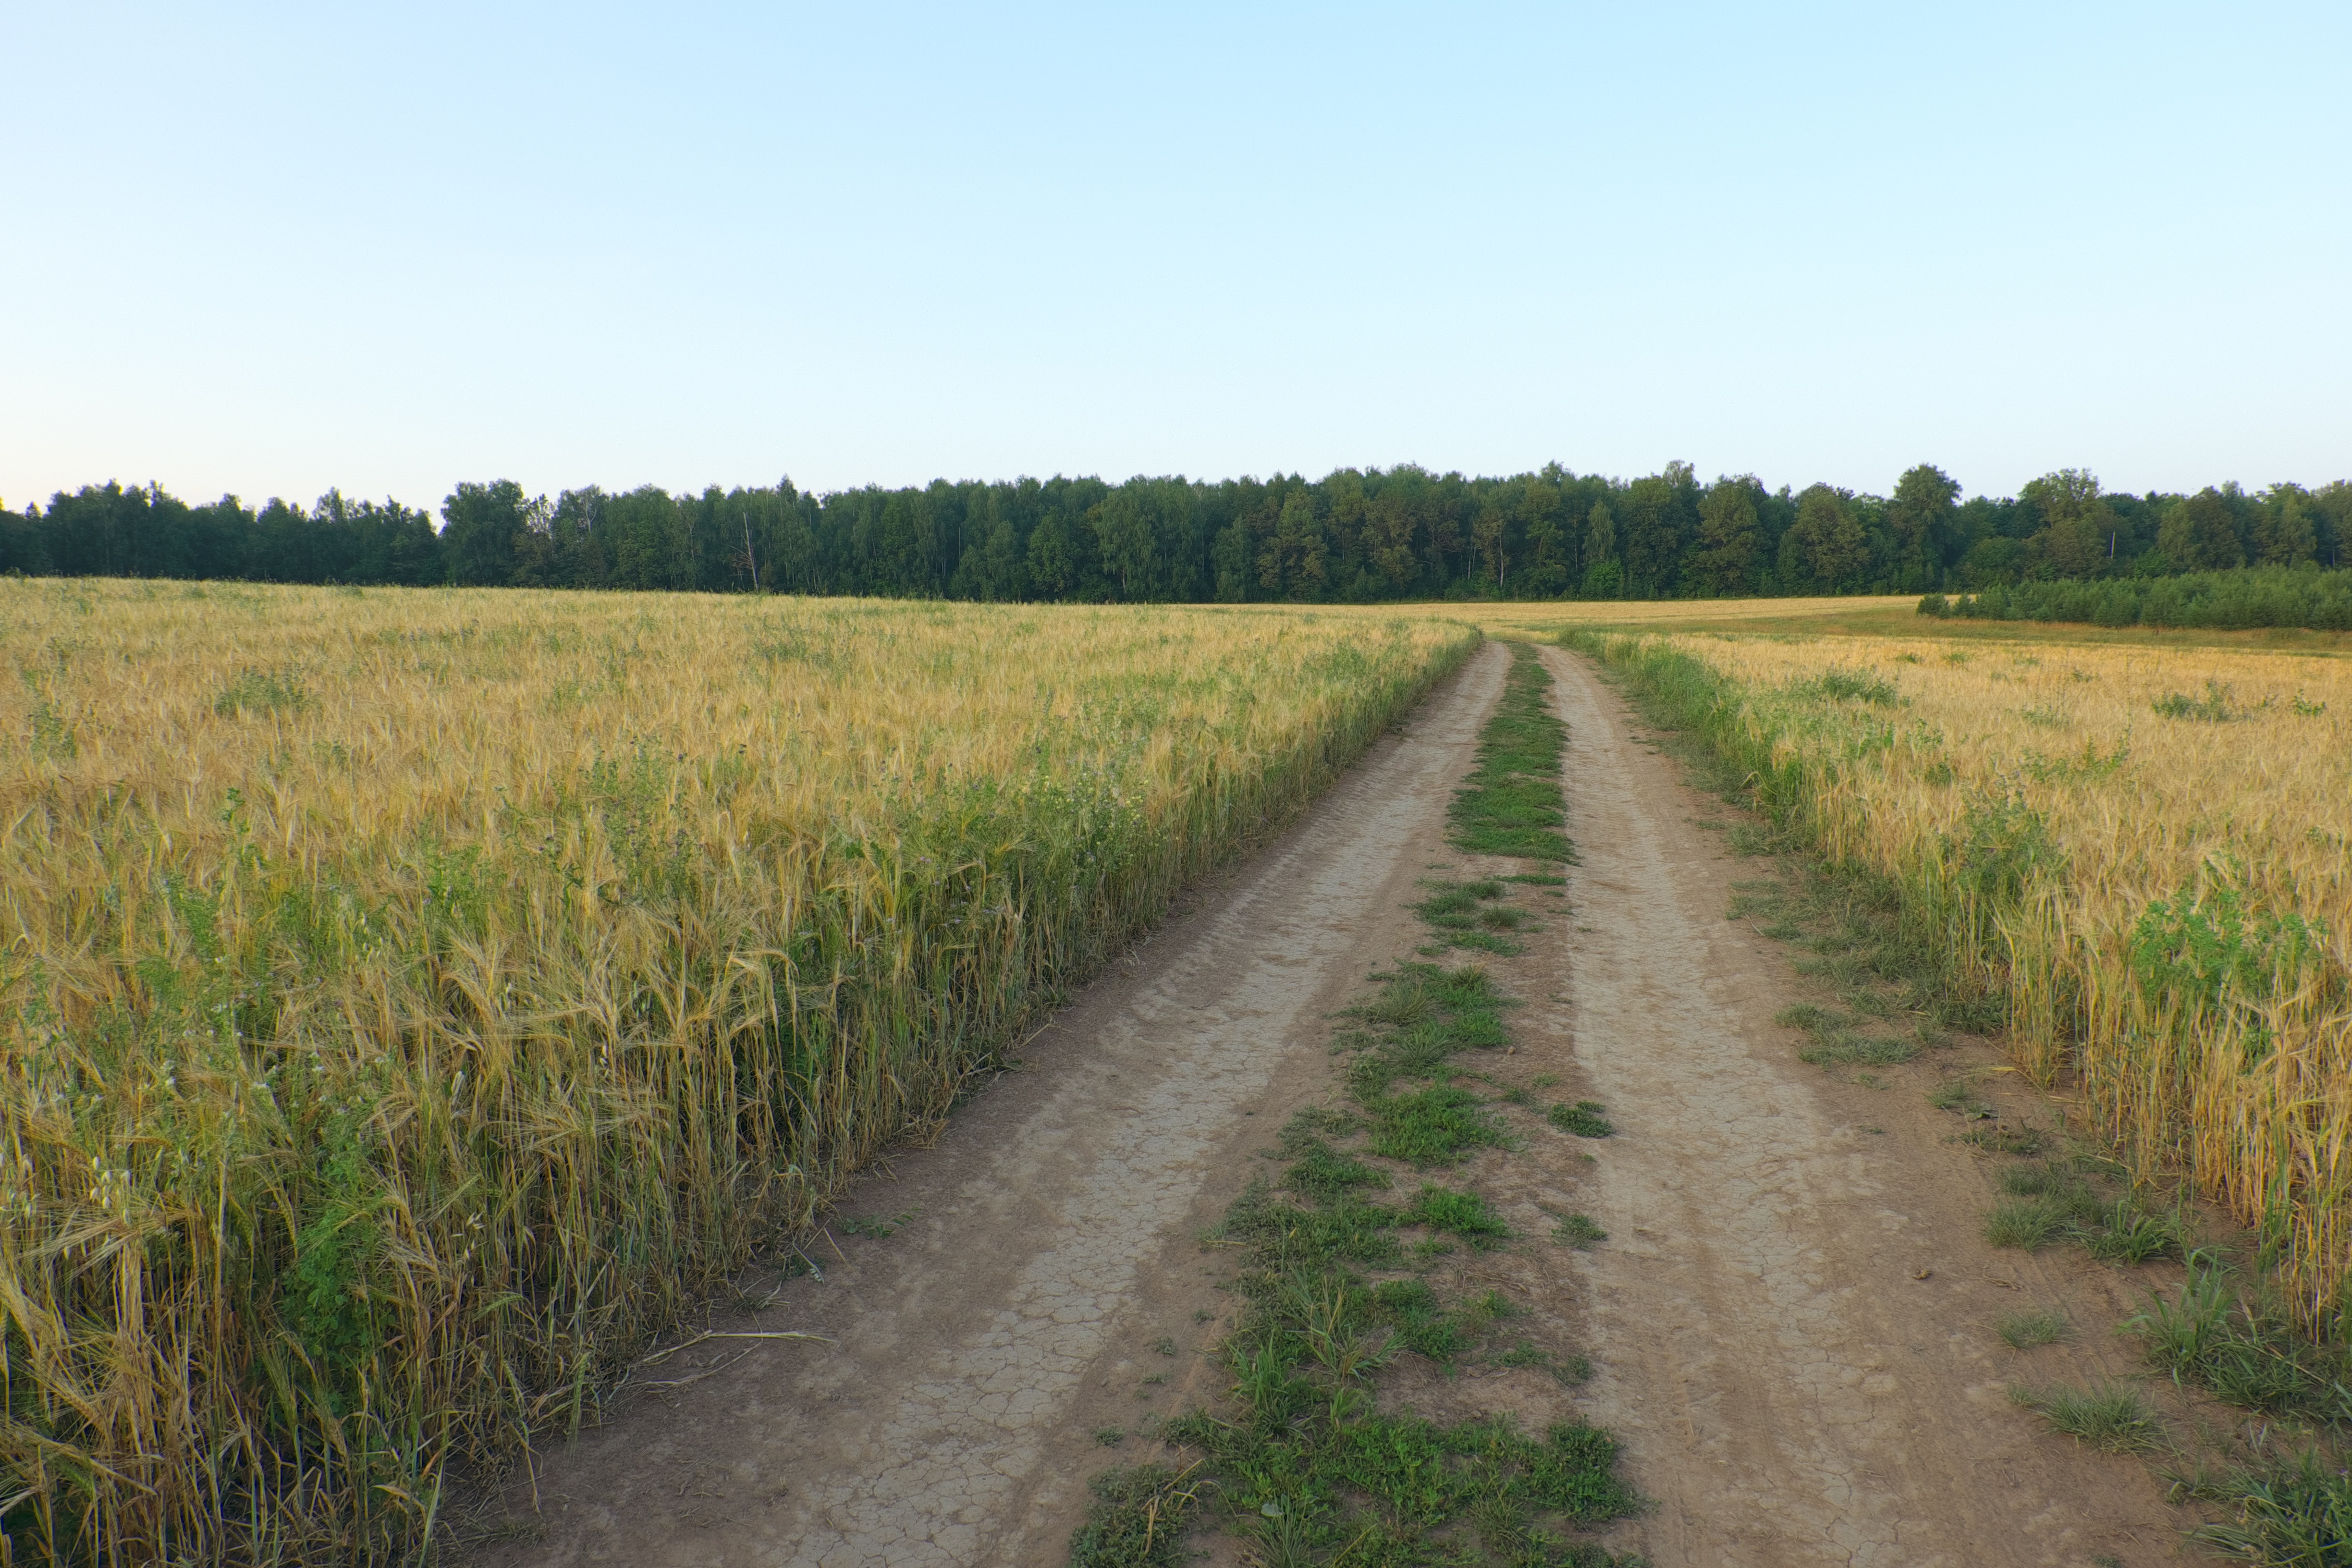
1354 536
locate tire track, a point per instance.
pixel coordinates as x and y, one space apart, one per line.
1793 1316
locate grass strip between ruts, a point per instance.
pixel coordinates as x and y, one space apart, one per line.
1511 804
1299 1459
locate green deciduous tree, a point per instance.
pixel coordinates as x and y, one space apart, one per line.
1654 526
2201 533
2078 527
1825 548
1923 527
481 524
1730 533
2285 527
1603 577
1290 564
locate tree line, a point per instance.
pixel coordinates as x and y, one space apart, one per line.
2233 601
1355 535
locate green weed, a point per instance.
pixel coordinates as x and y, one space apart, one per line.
2294 1513
1959 1094
2031 1181
1434 1126
2002 1138
2213 708
1578 1231
1422 1018
2127 1234
1137 1519
2242 1348
2023 1330
1584 1118
1852 686
262 691
1844 1048
2114 1416
1322 1173
2028 1224
1567 1370
875 1228
1462 916
1466 1214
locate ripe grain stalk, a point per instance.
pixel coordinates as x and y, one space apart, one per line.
412 999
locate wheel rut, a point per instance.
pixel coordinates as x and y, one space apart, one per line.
1793 1320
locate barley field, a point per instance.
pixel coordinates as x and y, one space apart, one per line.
410 999
2145 846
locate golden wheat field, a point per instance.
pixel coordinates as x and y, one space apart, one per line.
2148 848
410 999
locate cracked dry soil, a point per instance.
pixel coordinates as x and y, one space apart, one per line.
1786 1391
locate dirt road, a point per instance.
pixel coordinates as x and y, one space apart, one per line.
1787 1390
1792 1321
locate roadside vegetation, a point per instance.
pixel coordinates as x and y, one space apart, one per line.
1337 1271
412 1000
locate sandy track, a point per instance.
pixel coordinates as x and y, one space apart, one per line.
1787 1389
1053 1244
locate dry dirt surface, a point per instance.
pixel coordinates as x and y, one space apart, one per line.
1790 1321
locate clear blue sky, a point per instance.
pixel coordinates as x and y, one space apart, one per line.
267 249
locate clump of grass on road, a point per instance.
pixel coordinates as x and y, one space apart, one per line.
2026 1223
1578 1231
1302 1461
1585 1119
1470 915
2115 1416
1137 1519
1423 1017
2023 1330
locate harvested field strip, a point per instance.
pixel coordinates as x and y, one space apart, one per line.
1302 1461
412 999
2139 858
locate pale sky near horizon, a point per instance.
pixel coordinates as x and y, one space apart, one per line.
267 249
